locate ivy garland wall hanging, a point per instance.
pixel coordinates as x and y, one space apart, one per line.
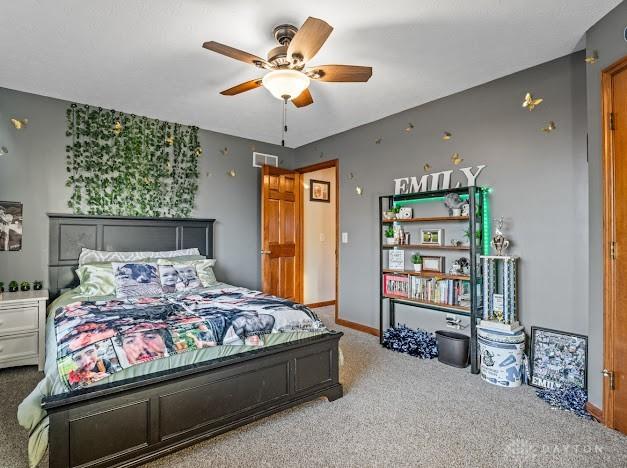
122 164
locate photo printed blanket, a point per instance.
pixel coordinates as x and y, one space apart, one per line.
98 338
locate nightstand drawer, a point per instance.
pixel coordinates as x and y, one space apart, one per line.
18 346
19 319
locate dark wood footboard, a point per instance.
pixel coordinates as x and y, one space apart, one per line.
137 420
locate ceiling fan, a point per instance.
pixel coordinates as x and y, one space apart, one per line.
288 77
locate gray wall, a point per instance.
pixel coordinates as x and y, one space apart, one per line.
539 181
605 37
34 174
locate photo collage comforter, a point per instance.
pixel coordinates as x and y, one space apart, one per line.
96 339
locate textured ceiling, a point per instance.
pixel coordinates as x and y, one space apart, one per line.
145 56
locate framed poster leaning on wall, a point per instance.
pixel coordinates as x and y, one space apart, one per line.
558 359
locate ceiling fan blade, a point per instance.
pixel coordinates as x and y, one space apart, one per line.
242 87
236 54
308 40
343 73
303 99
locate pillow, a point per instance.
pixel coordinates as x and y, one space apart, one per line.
178 277
136 279
96 279
95 256
204 269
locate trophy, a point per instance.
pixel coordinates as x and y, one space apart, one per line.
499 242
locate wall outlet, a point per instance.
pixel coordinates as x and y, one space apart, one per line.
345 238
323 237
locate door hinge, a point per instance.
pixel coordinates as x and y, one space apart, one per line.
612 126
613 250
611 376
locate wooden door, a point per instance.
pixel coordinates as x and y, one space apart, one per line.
615 157
280 233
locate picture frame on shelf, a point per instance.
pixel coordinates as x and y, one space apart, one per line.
319 191
558 359
433 263
396 259
432 236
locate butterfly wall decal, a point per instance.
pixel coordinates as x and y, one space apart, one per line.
427 167
19 124
446 136
456 159
549 127
530 102
117 127
592 59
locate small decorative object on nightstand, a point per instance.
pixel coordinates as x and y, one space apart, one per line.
22 328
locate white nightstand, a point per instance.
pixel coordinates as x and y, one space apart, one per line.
22 328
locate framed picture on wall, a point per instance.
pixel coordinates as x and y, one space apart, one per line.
558 359
11 219
319 190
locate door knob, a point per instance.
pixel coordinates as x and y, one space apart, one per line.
610 374
265 252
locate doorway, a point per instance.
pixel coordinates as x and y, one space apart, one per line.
614 102
319 233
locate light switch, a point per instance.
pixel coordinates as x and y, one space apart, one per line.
322 237
345 238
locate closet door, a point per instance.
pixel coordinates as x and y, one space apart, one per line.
615 183
280 233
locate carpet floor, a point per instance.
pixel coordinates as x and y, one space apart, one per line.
396 411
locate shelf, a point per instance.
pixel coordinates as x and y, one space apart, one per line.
426 220
427 246
428 274
432 305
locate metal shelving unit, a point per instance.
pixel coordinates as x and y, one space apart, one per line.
478 226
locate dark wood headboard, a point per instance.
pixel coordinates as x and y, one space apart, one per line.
69 233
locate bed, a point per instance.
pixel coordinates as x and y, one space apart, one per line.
159 406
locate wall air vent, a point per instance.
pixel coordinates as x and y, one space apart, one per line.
260 159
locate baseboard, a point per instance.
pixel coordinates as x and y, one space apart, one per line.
313 305
357 326
595 411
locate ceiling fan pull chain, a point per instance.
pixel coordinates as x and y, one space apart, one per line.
284 127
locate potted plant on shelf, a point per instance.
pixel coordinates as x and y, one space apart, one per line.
13 286
396 210
477 235
389 214
389 235
416 259
38 285
25 286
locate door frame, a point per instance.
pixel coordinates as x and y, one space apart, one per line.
303 170
609 227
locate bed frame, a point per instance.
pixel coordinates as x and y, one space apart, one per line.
130 422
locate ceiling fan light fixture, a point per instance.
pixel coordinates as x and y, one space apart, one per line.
286 84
